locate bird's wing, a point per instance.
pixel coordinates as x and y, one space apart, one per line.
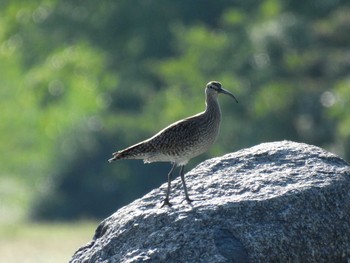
178 134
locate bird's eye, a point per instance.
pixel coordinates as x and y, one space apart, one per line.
214 85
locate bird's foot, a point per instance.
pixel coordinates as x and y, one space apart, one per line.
166 202
188 200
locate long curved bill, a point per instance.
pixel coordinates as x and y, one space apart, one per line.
228 93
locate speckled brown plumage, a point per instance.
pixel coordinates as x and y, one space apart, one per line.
182 140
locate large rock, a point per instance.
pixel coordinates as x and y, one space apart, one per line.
275 202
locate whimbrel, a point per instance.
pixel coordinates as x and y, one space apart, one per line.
182 140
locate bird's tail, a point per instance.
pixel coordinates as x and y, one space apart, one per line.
137 151
123 154
116 156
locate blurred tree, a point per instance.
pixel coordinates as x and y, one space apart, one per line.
82 79
125 41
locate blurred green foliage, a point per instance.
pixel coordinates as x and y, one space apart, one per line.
81 79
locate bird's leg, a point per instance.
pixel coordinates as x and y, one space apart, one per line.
182 174
166 200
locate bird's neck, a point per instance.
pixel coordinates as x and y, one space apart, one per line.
212 107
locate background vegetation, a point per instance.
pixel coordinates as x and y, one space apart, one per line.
81 79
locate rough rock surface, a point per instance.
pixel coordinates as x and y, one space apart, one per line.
275 202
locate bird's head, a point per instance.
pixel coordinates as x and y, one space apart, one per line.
213 88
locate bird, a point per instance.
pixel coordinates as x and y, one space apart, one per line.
182 140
